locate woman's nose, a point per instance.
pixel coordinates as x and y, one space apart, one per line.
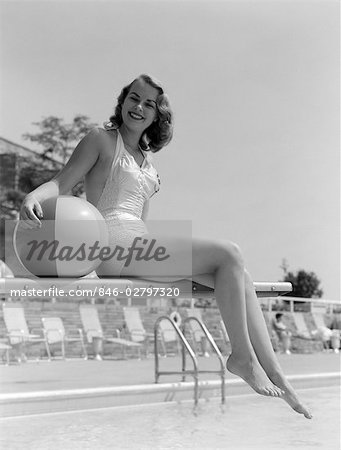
139 106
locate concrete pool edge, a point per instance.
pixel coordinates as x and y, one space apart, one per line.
13 404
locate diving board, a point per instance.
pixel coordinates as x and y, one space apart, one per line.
121 287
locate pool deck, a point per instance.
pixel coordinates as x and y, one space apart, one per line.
37 387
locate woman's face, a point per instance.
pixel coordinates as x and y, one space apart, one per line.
139 107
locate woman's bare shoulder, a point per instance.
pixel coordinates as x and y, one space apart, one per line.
102 137
104 134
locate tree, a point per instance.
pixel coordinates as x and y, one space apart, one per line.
305 284
31 176
57 138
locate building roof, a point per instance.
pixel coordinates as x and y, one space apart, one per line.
8 147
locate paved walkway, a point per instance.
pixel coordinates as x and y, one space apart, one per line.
78 374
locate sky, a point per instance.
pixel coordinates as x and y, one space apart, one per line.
254 86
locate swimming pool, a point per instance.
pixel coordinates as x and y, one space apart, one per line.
249 422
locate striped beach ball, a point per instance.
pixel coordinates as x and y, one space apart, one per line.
69 242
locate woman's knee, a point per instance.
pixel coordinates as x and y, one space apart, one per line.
248 280
232 255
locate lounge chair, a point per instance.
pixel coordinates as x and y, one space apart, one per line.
95 336
135 328
301 326
198 337
304 333
319 319
55 334
5 348
322 331
18 333
168 337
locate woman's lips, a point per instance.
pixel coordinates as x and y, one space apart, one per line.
135 116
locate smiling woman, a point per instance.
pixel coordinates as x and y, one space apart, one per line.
120 185
145 93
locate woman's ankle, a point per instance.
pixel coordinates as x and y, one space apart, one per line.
276 373
243 356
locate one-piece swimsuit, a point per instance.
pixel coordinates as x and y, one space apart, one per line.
121 203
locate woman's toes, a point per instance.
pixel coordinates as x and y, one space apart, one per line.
269 392
302 410
279 391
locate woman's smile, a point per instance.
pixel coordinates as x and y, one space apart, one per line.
139 107
135 115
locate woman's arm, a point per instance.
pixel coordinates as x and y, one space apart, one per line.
81 161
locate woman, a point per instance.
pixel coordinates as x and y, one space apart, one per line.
120 182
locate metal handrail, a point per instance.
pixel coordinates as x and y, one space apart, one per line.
210 339
185 346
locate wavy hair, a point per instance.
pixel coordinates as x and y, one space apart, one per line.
160 132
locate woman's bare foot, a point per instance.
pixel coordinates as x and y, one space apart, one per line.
251 372
289 394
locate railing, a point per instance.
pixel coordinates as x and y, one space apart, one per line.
328 304
216 350
186 347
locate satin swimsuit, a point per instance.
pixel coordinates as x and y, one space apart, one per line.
121 203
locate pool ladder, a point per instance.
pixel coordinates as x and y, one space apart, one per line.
186 347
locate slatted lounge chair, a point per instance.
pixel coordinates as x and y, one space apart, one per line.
5 348
198 337
319 319
168 337
95 336
301 326
304 333
19 335
55 333
135 328
322 331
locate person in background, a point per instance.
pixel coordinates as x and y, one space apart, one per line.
284 335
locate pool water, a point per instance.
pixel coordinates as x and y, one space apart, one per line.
248 422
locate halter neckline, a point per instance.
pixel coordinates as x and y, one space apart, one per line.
142 152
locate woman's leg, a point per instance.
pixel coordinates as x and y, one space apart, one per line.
224 261
262 345
261 342
238 304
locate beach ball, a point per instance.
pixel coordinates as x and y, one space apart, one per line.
69 242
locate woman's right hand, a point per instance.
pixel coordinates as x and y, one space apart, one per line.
31 212
83 158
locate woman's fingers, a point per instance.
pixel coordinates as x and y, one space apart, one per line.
28 224
28 216
33 220
39 211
